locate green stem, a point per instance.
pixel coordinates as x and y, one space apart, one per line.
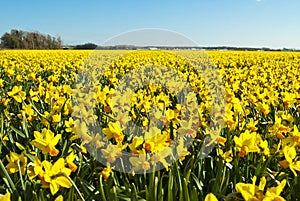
24 125
8 177
21 177
36 110
77 190
102 189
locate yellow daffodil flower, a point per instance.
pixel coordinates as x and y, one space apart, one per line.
46 141
5 197
15 160
247 142
210 197
55 175
17 94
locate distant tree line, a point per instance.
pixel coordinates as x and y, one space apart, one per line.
18 39
86 46
92 46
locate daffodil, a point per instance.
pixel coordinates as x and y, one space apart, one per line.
1 83
136 144
210 197
288 99
106 172
278 129
273 193
111 153
264 146
70 161
81 130
56 118
252 125
155 140
221 140
155 143
114 130
59 198
56 175
34 95
46 118
10 72
46 141
27 109
296 135
290 162
15 161
181 150
5 197
160 157
140 162
263 107
251 191
4 138
17 94
70 125
35 169
247 142
227 156
186 128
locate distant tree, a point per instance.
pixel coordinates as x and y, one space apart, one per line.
18 39
48 39
6 40
87 46
59 42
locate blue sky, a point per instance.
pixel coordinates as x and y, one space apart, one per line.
251 23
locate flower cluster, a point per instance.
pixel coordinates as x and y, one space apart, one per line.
210 123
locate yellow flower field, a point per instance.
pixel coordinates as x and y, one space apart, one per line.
149 125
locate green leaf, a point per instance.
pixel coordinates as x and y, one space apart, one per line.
18 132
